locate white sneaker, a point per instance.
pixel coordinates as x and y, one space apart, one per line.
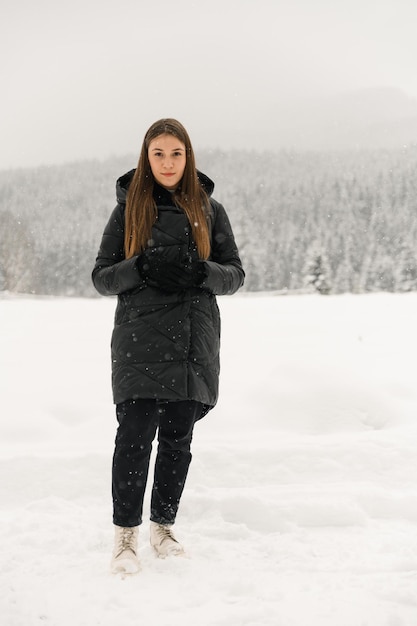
124 559
164 542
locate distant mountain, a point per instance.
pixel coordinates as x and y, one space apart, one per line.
368 118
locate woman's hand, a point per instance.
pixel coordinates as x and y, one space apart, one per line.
174 275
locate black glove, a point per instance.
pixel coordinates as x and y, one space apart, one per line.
150 264
168 275
186 275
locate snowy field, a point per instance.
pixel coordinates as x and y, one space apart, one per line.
301 503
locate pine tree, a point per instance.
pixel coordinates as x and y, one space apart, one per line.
318 274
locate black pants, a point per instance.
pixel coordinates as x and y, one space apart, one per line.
138 423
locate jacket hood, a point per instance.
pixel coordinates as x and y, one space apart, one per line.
122 185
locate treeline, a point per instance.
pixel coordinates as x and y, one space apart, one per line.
331 222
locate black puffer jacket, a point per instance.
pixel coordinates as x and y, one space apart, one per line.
166 345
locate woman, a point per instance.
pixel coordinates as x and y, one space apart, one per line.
166 251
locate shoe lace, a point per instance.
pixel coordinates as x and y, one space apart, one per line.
164 533
127 540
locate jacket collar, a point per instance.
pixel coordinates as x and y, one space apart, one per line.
122 186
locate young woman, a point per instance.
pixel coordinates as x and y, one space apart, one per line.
166 252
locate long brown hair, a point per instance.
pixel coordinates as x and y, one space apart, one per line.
141 210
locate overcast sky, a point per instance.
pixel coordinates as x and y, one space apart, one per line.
86 78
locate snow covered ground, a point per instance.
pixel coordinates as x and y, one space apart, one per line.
301 503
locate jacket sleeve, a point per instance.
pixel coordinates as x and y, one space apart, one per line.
224 270
112 273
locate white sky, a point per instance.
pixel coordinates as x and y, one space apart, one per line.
86 78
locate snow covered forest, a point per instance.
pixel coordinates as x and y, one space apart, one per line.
332 222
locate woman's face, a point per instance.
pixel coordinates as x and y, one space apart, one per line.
167 158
